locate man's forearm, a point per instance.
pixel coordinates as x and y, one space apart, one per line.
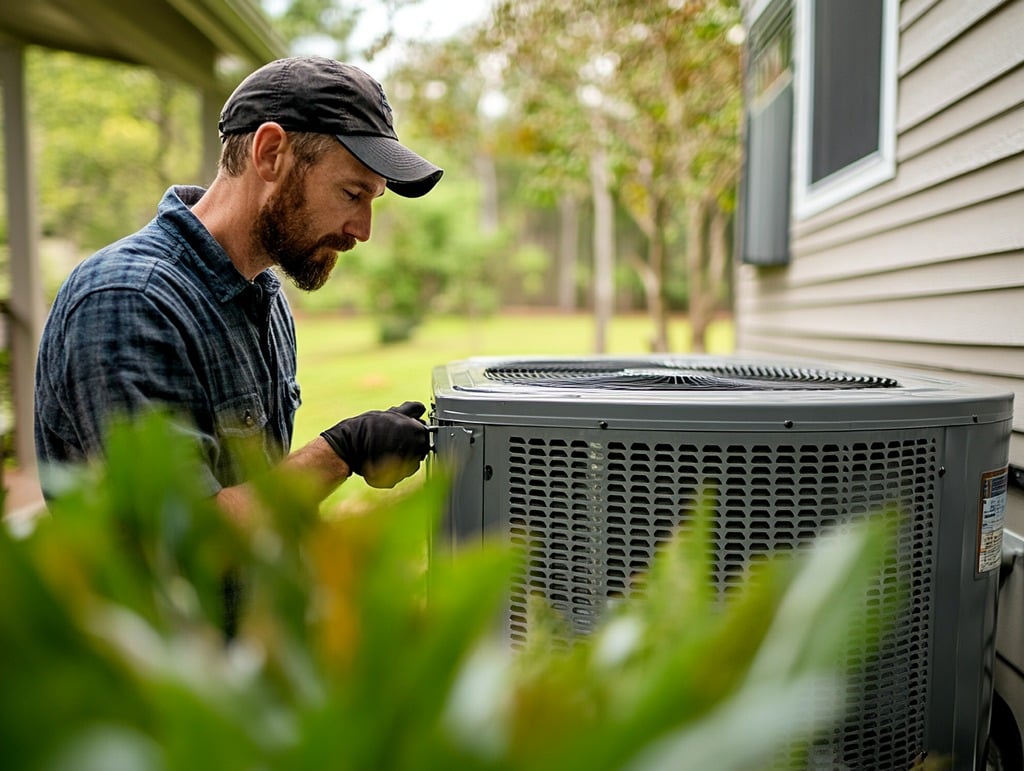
316 462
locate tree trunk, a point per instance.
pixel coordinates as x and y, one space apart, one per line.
568 251
488 178
654 291
696 286
718 248
654 299
604 245
487 175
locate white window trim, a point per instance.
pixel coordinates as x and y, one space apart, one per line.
872 169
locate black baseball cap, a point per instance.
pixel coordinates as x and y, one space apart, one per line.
324 96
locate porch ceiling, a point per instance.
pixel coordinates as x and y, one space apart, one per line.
208 43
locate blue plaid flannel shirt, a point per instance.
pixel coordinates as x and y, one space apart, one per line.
163 319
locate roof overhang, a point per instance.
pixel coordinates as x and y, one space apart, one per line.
207 43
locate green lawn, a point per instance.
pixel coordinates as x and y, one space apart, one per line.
343 371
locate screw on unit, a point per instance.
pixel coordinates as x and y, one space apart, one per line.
603 424
787 423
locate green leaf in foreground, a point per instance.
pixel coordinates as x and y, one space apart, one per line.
353 653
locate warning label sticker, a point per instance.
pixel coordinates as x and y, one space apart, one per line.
991 516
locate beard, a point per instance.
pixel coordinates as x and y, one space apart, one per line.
281 230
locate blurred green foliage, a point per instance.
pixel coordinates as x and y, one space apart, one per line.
109 138
351 654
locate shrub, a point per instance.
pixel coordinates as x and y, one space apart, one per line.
350 654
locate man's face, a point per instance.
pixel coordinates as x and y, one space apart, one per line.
315 213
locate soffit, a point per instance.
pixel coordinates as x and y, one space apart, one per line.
208 43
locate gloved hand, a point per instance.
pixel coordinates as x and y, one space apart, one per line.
382 446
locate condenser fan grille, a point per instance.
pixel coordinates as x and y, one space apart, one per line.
679 375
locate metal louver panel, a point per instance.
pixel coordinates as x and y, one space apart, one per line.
590 511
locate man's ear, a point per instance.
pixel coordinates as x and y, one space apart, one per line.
269 150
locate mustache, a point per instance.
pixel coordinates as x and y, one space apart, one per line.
337 243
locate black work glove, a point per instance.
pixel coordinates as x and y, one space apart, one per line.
382 446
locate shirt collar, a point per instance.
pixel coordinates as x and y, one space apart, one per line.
212 262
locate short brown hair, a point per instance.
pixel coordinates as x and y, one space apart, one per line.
308 149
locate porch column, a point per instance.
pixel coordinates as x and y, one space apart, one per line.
25 304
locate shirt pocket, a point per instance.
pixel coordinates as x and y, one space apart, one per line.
240 417
292 396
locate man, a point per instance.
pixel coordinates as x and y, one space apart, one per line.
187 315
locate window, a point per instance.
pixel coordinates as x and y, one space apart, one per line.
846 81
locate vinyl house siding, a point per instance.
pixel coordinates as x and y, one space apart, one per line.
926 268
918 263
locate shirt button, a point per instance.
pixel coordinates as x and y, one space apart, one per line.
248 418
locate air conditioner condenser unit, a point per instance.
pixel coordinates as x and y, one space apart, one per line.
589 464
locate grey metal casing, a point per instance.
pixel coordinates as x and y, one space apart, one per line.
596 479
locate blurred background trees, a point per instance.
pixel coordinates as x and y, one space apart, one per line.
591 156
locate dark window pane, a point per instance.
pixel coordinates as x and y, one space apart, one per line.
847 72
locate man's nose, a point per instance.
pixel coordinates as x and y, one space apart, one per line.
359 225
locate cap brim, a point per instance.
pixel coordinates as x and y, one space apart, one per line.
407 174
